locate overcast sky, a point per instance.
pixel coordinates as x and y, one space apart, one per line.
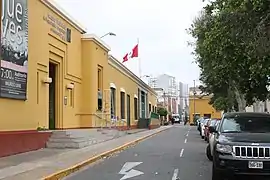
160 26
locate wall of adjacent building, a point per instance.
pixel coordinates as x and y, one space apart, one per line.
202 107
44 46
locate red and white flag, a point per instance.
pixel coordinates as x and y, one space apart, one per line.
134 53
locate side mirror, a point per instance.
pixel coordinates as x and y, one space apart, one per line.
212 129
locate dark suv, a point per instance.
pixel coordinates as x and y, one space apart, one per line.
241 145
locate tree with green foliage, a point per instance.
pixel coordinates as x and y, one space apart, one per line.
230 48
162 111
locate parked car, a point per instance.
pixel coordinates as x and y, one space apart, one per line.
199 124
241 145
212 122
209 148
203 126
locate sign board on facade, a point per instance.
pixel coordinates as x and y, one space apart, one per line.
14 45
58 27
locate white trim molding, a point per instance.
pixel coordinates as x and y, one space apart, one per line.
98 40
135 96
112 85
122 90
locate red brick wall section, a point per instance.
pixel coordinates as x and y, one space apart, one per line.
16 142
154 126
123 128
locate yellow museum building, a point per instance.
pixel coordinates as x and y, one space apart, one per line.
201 107
72 81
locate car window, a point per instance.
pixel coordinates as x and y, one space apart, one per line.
246 124
213 122
230 125
202 121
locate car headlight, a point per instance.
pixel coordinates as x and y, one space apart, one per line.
224 148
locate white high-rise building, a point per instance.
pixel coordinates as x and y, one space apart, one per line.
170 90
183 96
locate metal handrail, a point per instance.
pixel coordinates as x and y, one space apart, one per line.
103 119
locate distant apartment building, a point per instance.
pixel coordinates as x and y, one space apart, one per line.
183 97
160 96
170 90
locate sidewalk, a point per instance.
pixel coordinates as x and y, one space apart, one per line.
39 164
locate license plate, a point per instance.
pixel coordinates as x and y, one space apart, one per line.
255 165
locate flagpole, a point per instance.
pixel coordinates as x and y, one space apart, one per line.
139 60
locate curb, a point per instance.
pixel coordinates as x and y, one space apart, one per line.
63 173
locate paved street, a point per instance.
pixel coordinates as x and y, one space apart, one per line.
178 153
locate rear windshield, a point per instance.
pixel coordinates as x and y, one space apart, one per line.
206 121
246 124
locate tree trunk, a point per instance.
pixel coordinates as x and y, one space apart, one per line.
240 98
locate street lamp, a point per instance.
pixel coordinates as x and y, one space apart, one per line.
108 34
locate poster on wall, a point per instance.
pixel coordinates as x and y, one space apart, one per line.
14 49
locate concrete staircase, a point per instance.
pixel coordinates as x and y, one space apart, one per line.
80 138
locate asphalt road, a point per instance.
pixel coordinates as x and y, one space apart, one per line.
178 153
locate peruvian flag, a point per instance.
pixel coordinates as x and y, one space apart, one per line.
134 53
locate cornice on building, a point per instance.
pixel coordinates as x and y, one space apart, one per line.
97 39
52 5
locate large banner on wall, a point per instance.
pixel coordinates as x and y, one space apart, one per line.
14 49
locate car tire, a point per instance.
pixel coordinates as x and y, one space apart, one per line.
216 175
208 153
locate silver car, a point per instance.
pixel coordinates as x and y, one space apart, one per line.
209 148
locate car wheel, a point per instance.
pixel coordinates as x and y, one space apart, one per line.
208 153
216 175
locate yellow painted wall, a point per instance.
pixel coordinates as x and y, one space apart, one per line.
94 56
122 81
153 99
202 107
44 45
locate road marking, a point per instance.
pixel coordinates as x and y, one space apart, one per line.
175 174
187 134
182 152
128 172
185 140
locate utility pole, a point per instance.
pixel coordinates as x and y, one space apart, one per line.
164 98
194 93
